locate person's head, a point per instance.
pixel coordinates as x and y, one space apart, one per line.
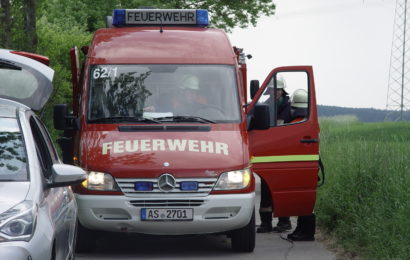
189 86
280 88
299 99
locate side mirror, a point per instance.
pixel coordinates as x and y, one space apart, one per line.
64 121
66 175
254 87
261 117
59 116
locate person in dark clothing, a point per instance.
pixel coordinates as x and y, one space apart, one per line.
306 225
266 207
282 103
284 108
305 229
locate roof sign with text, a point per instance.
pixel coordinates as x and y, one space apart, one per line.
162 17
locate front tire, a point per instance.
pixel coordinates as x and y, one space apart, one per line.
85 239
243 239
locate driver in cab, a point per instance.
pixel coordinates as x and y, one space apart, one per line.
188 98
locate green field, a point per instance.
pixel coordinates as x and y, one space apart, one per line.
365 202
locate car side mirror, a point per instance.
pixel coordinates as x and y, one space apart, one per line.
254 87
66 175
261 117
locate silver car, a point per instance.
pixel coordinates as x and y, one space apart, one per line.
38 210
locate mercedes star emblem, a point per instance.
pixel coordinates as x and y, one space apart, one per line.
166 182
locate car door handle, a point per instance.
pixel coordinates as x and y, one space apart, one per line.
309 141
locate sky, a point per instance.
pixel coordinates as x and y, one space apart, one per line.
348 43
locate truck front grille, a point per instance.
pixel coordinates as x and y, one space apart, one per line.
127 186
167 203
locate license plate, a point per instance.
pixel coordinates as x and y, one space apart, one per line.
166 214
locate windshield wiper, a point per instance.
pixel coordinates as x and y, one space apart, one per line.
186 119
124 119
9 66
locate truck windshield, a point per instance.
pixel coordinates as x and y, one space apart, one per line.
13 163
204 93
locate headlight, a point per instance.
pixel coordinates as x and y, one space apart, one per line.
18 223
234 180
100 181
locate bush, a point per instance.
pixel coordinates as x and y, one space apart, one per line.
55 42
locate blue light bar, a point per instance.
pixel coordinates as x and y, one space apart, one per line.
143 186
202 17
118 17
161 17
189 185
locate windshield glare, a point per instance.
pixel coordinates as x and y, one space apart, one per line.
156 91
12 152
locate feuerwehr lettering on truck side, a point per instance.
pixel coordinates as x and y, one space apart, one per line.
149 145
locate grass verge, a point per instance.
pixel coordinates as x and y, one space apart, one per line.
365 203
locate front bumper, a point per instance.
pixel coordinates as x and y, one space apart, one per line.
14 252
38 248
211 214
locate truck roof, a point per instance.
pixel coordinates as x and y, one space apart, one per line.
147 45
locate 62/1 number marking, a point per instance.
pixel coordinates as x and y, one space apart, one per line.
105 72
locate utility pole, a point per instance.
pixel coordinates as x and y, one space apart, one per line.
398 95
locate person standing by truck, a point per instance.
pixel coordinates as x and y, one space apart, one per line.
282 103
299 106
306 225
283 117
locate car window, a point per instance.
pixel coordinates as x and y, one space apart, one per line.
45 149
25 80
18 83
13 159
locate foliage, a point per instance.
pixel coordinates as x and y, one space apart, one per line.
55 43
90 14
366 199
227 14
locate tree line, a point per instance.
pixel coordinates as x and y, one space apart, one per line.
363 114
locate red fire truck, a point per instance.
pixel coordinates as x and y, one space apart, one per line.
162 124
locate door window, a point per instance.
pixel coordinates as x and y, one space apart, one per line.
287 95
45 149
